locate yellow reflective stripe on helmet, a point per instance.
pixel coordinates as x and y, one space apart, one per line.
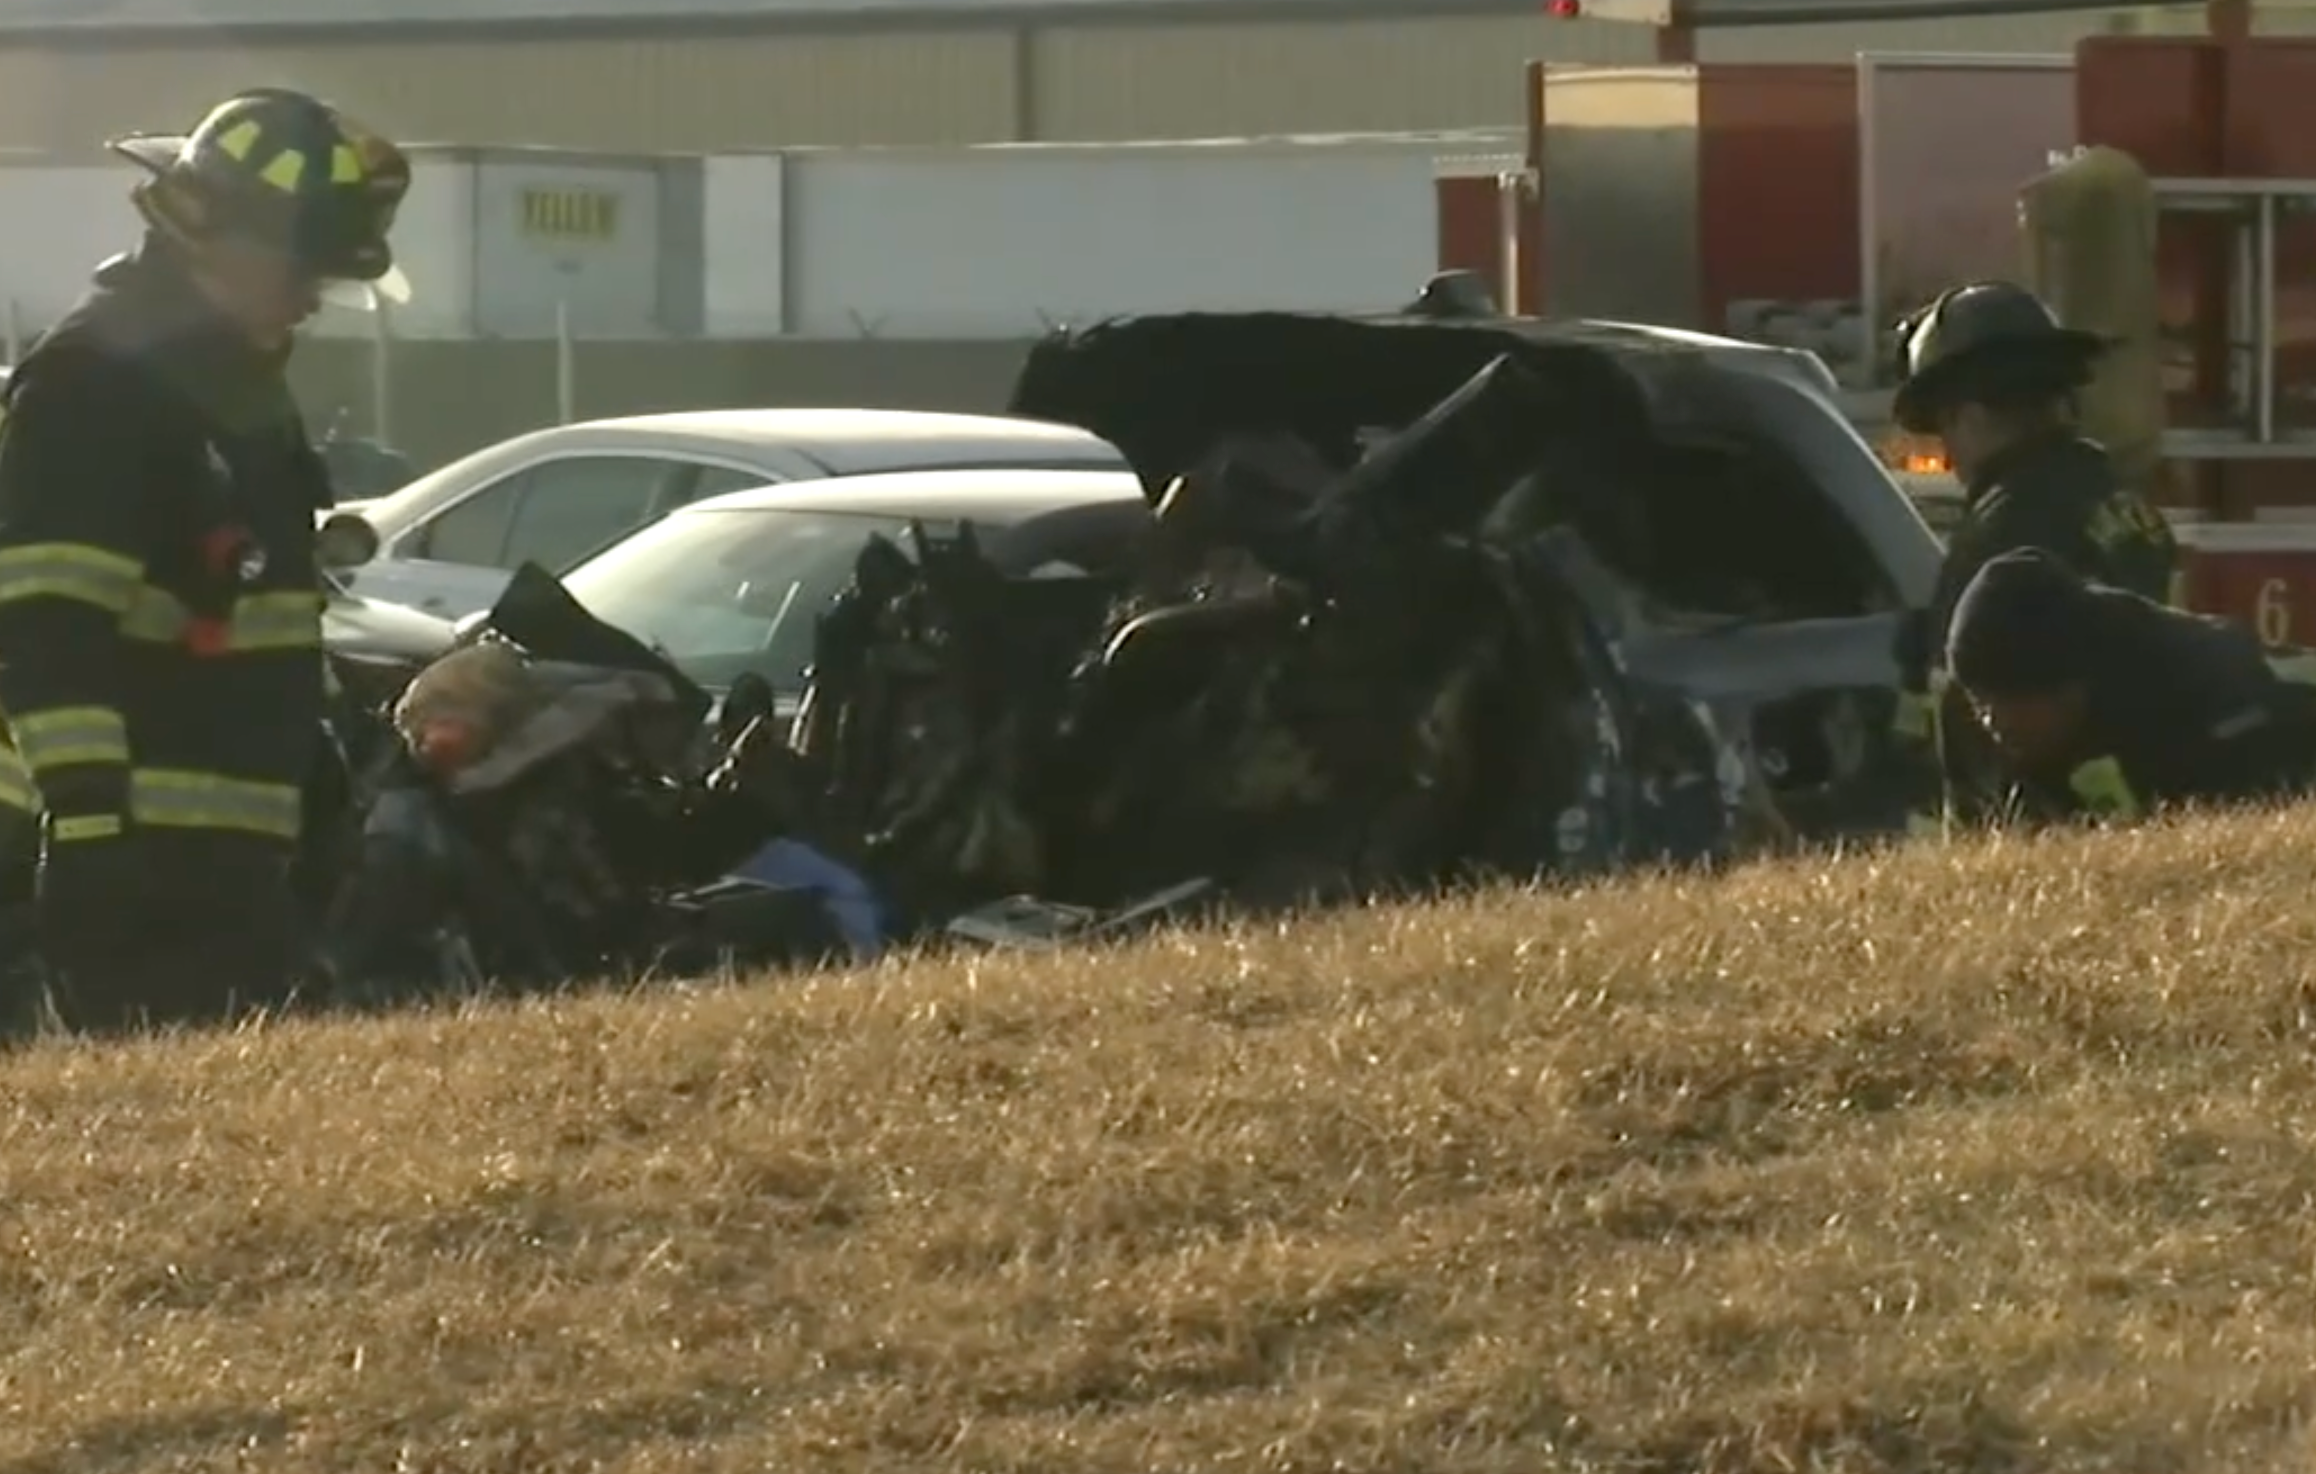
77 571
280 621
85 826
17 790
286 172
240 141
2104 790
172 798
346 165
69 735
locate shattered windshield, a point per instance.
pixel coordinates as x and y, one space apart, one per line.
722 593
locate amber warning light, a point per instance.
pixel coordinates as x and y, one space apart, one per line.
1912 456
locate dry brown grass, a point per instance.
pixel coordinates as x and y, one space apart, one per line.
1994 1159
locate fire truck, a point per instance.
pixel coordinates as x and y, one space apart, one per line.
2160 190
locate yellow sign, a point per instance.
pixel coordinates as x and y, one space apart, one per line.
571 214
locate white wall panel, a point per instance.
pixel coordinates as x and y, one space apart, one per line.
744 235
1003 241
63 220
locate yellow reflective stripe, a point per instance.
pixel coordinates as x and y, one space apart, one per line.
2104 790
85 826
155 616
91 575
71 734
239 140
286 172
281 621
346 165
17 790
289 621
173 798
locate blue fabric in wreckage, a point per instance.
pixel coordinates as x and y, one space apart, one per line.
851 902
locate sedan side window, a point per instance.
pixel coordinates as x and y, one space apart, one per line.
572 507
717 480
474 532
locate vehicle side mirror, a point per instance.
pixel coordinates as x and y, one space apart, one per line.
345 540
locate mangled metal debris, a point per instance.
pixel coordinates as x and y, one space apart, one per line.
1399 619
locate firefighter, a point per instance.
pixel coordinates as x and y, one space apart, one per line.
2104 704
160 604
1988 370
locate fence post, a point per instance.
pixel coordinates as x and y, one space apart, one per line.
381 371
566 376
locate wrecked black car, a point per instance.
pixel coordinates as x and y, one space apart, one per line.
1407 603
1419 601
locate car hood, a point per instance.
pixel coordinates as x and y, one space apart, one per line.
371 629
1164 388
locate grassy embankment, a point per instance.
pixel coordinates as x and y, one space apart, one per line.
1994 1160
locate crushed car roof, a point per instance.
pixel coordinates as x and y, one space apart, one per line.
978 495
1161 388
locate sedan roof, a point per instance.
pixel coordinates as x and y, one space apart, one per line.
990 496
853 442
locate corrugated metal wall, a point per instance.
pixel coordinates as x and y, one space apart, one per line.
1104 83
694 94
1087 82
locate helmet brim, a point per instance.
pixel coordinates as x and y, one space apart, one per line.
364 296
1919 399
151 151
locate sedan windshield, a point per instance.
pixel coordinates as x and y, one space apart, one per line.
724 593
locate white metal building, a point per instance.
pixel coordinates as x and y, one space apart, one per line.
726 75
995 241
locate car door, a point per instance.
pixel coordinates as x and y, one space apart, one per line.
552 512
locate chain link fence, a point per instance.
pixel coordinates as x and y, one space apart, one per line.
436 400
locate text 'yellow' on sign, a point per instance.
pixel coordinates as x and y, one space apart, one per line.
571 214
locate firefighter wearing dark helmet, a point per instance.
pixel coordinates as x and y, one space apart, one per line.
1988 369
160 607
2104 705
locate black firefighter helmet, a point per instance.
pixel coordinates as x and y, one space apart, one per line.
1986 341
283 170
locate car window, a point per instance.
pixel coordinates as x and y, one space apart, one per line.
717 480
724 593
569 508
474 532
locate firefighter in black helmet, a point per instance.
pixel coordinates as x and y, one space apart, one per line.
1988 369
2103 705
161 678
